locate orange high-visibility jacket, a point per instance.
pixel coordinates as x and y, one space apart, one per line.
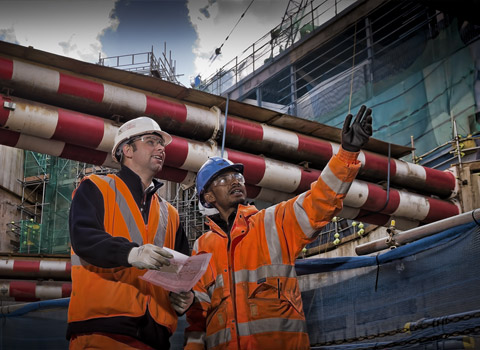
107 292
249 297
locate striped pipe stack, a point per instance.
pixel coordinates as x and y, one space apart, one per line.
30 279
19 290
30 268
201 123
362 195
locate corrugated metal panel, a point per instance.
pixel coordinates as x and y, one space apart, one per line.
11 160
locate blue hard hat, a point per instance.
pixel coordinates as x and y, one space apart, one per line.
209 171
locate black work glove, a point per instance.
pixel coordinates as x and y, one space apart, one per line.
356 136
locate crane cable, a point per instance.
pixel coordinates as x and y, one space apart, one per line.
218 50
353 67
349 111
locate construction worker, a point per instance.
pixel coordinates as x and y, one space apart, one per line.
249 297
118 228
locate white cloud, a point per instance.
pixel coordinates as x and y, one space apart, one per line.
214 19
66 27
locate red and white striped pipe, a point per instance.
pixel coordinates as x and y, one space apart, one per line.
32 118
18 290
283 177
115 99
89 131
29 268
82 154
362 195
56 148
202 123
398 203
261 138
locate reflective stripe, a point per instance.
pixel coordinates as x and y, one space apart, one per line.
159 239
195 337
272 325
222 336
211 289
195 246
219 281
202 297
271 235
135 234
133 229
75 260
279 270
218 284
332 181
302 217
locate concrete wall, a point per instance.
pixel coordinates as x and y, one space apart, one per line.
11 163
8 213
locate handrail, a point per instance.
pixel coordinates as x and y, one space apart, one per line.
239 67
420 232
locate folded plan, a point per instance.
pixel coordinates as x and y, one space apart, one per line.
182 274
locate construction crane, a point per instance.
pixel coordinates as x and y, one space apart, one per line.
284 34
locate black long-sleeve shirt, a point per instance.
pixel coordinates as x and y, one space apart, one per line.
97 247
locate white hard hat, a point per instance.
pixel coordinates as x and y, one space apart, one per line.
137 127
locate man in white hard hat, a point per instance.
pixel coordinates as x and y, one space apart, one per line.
118 228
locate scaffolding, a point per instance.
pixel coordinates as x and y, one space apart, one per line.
35 178
145 63
416 67
300 19
47 188
193 221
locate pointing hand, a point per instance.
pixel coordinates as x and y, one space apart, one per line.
355 136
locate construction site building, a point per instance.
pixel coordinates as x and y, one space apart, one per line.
366 283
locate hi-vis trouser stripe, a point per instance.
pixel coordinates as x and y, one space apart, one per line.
133 229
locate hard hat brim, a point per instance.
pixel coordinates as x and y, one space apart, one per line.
238 167
164 135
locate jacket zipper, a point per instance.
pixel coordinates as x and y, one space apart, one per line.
233 287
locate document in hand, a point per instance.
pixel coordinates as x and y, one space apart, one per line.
182 274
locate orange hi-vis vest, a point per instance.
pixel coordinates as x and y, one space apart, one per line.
249 297
108 292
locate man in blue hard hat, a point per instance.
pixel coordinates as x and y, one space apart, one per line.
249 297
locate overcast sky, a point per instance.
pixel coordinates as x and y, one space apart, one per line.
191 30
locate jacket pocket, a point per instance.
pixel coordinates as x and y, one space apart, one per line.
271 296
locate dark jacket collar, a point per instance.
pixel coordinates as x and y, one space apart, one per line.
246 209
226 227
134 184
